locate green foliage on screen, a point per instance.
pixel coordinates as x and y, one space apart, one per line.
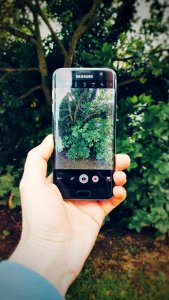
86 124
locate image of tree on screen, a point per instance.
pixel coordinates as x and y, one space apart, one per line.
86 125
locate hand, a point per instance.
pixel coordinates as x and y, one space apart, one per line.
57 236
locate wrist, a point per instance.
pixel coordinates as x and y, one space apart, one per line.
49 263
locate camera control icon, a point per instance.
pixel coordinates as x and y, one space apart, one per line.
95 178
83 178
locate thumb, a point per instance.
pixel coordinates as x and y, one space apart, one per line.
36 162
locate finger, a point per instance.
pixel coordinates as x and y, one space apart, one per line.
119 178
50 178
119 194
36 162
122 162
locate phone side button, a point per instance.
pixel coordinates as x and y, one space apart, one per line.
82 194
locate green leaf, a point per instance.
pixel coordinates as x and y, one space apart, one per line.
6 232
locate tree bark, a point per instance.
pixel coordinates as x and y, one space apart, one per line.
36 8
36 40
68 59
42 61
10 70
35 88
131 80
83 26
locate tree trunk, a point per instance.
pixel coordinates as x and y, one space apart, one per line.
68 60
43 71
42 62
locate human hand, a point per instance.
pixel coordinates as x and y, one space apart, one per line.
57 236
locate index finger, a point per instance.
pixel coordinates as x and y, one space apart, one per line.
122 161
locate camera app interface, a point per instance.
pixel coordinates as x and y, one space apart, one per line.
83 112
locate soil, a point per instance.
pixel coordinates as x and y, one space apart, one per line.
130 252
115 248
10 230
64 163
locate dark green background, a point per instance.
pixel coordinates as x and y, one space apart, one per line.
91 34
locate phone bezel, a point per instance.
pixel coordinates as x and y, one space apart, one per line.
110 194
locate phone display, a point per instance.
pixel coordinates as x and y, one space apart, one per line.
84 105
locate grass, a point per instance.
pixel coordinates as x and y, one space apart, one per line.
110 285
124 266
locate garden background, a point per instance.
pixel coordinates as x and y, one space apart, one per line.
131 37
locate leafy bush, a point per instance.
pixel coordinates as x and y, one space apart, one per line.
9 192
76 152
143 134
88 125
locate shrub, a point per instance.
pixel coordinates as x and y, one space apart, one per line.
143 134
9 191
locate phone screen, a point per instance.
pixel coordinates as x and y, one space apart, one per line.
84 129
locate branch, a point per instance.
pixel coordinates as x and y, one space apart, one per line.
89 116
162 50
70 109
35 88
38 10
135 56
125 58
84 24
131 80
78 105
18 33
4 76
9 70
165 5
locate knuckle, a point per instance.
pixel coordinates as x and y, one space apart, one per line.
128 159
124 194
124 176
120 177
121 174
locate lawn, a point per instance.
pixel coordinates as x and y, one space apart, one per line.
123 264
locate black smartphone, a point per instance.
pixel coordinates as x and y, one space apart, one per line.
84 130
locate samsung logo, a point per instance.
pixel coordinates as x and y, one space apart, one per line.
84 76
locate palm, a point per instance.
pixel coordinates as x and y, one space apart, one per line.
85 229
61 232
73 225
73 214
84 219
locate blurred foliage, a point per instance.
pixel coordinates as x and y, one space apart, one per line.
137 49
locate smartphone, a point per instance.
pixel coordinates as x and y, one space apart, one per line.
84 130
